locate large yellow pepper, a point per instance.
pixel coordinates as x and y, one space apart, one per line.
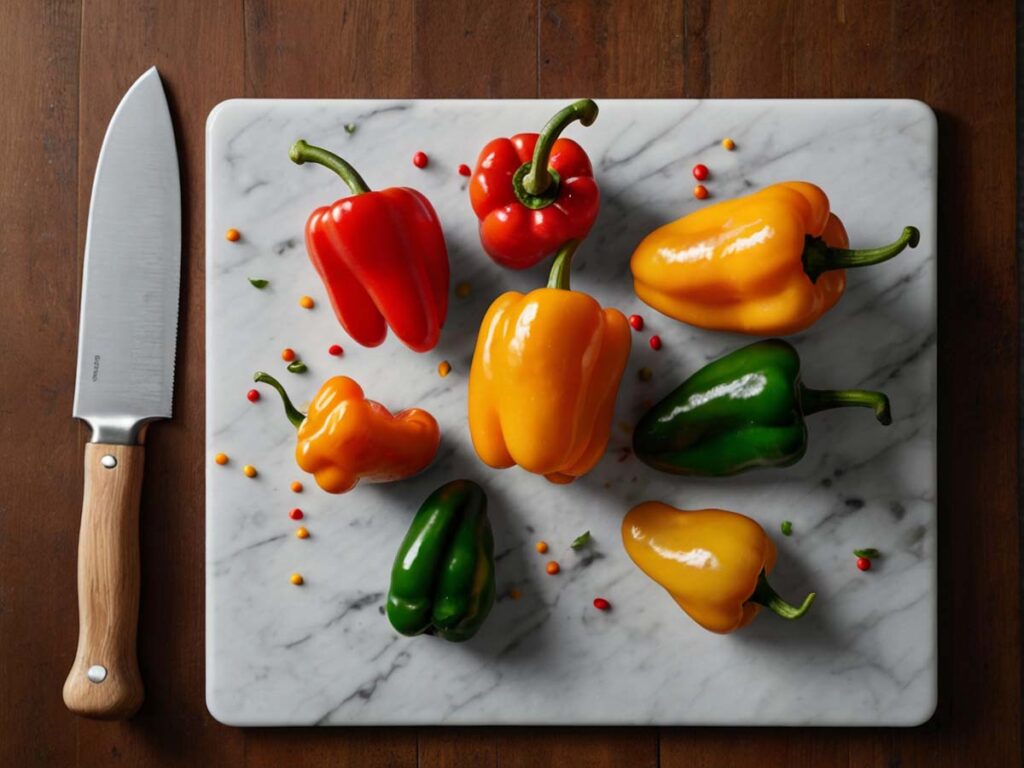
346 438
544 377
769 264
713 563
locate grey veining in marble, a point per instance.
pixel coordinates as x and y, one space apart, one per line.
325 654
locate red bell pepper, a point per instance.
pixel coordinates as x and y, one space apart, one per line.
534 193
381 256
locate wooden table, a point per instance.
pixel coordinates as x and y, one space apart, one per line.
65 65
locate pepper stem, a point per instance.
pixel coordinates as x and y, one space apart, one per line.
770 599
814 400
562 266
295 416
535 184
301 152
819 257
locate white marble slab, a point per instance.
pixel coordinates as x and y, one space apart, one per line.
325 654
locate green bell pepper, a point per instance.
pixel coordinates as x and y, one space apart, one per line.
742 411
442 581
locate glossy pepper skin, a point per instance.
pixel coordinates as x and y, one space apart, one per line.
714 563
770 263
544 378
381 256
742 411
346 438
526 215
442 581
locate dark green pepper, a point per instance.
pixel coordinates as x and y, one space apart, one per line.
442 581
741 411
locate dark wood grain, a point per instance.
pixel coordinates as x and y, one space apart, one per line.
65 64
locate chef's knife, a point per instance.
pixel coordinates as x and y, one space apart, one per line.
125 379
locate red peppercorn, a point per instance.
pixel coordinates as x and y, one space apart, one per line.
253 395
336 350
700 192
864 563
465 170
601 604
420 160
655 342
700 172
637 322
296 514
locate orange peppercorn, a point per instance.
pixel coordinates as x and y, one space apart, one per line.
542 547
233 235
700 192
249 470
729 144
221 458
287 354
306 302
296 487
552 568
444 368
515 594
302 532
462 289
296 579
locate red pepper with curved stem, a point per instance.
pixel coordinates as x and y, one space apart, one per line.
381 256
535 192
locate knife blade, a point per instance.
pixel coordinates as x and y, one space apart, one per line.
125 380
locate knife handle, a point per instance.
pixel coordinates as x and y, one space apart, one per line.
104 681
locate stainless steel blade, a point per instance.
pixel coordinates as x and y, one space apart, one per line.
132 271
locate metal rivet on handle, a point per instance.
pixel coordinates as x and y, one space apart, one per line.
97 673
108 461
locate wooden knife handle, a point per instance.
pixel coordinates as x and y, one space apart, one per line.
104 681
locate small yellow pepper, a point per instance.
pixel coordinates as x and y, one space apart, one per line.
346 438
544 378
768 264
713 563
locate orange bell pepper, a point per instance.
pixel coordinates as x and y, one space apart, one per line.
346 438
769 264
713 563
544 377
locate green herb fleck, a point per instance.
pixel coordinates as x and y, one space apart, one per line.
259 282
350 127
787 528
870 553
581 541
297 367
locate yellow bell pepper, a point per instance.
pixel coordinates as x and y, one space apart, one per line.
544 377
769 264
346 438
713 563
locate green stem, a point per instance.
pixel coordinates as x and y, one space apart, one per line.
295 416
301 152
820 257
814 400
770 599
562 266
535 184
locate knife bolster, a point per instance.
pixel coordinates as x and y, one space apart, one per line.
117 430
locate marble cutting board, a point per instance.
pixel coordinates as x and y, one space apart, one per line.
324 654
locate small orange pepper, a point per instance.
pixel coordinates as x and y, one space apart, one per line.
714 563
346 438
768 264
544 378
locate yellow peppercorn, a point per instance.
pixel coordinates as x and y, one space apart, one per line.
462 289
444 368
233 235
729 144
296 579
553 568
306 302
221 458
301 532
249 470
541 546
296 486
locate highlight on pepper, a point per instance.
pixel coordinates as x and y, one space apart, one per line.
381 256
742 411
712 562
535 192
544 378
442 581
769 263
346 438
